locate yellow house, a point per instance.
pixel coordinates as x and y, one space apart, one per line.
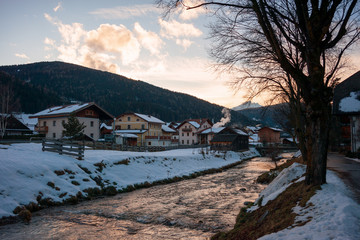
146 127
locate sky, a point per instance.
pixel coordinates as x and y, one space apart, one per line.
130 38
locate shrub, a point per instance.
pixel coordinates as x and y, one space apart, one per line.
75 183
122 162
59 172
51 184
110 191
84 169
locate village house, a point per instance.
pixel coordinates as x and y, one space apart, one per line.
230 139
206 135
346 107
14 126
148 129
188 130
269 135
50 121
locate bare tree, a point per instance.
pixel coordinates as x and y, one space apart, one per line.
291 48
8 104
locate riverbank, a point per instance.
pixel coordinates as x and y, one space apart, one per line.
288 209
32 178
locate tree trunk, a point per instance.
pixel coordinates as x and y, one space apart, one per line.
317 141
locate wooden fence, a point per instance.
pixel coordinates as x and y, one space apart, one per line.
119 147
64 147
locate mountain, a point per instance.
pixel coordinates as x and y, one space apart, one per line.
272 115
246 105
45 84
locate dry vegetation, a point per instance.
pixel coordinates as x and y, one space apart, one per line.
276 215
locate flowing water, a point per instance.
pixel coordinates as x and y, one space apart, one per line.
189 209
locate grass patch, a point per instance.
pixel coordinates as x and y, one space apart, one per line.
276 215
59 172
122 162
84 169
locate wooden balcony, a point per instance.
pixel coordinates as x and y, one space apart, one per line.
158 137
187 129
42 129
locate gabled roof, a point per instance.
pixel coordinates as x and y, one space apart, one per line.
211 130
271 128
66 110
149 118
165 128
196 122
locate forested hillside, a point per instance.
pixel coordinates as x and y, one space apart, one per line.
44 84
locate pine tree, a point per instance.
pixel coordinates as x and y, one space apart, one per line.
73 128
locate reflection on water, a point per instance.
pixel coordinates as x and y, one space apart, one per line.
190 209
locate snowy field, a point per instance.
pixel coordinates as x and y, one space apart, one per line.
26 171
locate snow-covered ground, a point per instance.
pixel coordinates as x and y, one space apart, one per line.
333 212
27 172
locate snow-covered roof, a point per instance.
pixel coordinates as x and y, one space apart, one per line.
165 128
351 103
238 131
103 125
132 131
65 109
195 124
149 118
127 135
212 130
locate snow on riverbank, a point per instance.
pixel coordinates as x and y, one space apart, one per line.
333 212
25 170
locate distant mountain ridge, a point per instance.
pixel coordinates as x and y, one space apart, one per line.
55 83
246 105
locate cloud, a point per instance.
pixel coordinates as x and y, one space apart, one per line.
185 43
176 29
126 12
106 47
115 39
57 7
21 55
193 13
149 40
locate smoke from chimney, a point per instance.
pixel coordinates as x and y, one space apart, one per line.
224 120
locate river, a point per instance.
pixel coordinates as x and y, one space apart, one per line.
189 209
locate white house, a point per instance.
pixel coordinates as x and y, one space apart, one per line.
188 130
50 121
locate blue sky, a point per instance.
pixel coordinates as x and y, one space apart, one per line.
121 36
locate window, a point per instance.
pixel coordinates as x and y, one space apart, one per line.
142 126
193 141
187 141
187 134
44 123
54 135
137 120
54 123
182 134
129 118
182 141
89 113
193 134
129 126
91 135
91 123
149 143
